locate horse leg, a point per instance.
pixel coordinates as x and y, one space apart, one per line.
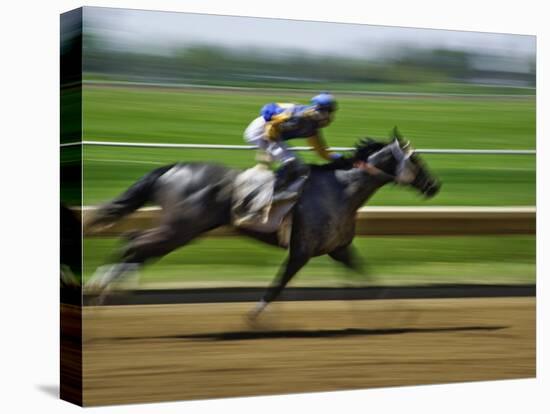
347 256
143 247
292 265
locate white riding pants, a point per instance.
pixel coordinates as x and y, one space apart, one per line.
277 150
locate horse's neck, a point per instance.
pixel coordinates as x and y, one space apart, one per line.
361 186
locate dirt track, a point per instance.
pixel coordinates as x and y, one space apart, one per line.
148 353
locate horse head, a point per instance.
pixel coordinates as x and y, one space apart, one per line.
398 158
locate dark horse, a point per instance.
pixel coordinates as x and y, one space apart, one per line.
196 198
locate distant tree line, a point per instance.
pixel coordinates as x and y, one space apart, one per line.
207 63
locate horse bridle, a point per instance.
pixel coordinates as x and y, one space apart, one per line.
405 172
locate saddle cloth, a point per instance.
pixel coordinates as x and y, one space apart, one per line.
256 207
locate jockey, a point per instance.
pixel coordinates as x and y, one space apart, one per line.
279 122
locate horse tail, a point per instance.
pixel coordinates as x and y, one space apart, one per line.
133 198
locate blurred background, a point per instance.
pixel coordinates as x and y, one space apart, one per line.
140 46
160 77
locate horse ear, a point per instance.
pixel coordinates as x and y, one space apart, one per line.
395 134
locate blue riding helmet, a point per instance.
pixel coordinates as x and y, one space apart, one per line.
324 101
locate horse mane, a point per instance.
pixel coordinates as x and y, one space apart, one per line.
363 149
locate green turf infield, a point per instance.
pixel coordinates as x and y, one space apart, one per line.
216 117
390 260
220 117
340 87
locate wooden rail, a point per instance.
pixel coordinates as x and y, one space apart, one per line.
385 221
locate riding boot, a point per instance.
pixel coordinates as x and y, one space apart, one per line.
284 176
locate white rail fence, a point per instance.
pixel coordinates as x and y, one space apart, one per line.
370 220
297 148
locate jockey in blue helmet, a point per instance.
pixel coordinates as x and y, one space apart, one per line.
280 122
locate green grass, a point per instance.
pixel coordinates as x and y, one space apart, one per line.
390 260
315 87
467 179
214 117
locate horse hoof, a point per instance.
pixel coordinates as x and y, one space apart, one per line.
253 315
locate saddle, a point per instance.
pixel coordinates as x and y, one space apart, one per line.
256 206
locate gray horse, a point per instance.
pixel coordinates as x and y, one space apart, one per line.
197 197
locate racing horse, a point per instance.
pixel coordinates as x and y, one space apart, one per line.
197 197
